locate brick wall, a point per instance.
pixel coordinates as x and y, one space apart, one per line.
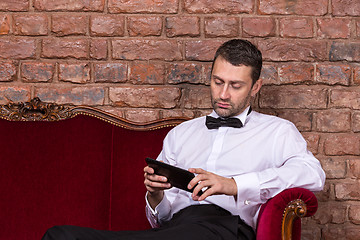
145 60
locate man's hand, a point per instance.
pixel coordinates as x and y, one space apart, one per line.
155 185
215 184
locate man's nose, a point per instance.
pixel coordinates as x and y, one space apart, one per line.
225 92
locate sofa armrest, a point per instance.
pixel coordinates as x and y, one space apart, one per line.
279 217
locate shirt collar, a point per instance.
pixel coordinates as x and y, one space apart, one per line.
242 116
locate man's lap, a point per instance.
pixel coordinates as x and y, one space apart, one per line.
195 222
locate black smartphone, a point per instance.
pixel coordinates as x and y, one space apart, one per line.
177 177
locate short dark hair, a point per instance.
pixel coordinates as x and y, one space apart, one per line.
241 52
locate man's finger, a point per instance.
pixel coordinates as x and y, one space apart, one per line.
196 170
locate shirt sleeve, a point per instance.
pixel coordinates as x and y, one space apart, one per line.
162 211
294 166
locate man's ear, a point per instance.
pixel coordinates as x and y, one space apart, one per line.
256 87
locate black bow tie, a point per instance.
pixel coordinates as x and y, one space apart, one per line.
214 123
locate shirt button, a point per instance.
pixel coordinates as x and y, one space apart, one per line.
246 202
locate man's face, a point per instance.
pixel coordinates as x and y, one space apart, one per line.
231 88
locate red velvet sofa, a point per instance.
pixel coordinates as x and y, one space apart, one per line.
77 165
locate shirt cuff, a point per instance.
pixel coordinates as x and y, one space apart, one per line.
248 189
160 213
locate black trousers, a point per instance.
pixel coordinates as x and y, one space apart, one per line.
196 222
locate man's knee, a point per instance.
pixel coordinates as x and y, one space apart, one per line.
57 233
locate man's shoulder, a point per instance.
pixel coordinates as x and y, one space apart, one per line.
262 118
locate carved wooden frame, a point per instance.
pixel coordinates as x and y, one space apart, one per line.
295 209
36 110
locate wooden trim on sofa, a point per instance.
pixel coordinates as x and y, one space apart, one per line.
36 110
295 209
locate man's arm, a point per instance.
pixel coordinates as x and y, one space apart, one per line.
296 168
214 184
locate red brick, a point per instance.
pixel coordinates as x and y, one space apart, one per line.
113 110
182 26
32 25
91 96
4 24
309 230
334 120
301 118
224 6
331 212
184 73
37 72
198 97
207 73
348 51
258 27
64 25
347 98
76 73
65 48
293 50
7 71
11 5
334 168
144 26
354 213
333 28
98 49
304 7
356 122
110 72
147 73
203 112
354 168
17 48
296 27
344 144
65 5
333 74
312 140
221 26
347 190
14 94
358 28
177 113
357 75
341 231
201 50
269 74
107 25
293 97
136 6
296 73
153 97
142 115
345 7
167 50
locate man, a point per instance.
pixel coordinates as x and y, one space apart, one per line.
241 158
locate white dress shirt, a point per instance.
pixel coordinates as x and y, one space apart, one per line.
264 157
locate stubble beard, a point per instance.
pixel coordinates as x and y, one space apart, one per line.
233 110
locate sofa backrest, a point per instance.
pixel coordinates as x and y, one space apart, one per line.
84 169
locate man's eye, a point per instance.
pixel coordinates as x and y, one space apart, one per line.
218 82
236 86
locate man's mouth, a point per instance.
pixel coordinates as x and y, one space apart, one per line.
223 105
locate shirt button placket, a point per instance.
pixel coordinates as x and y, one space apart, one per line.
216 149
